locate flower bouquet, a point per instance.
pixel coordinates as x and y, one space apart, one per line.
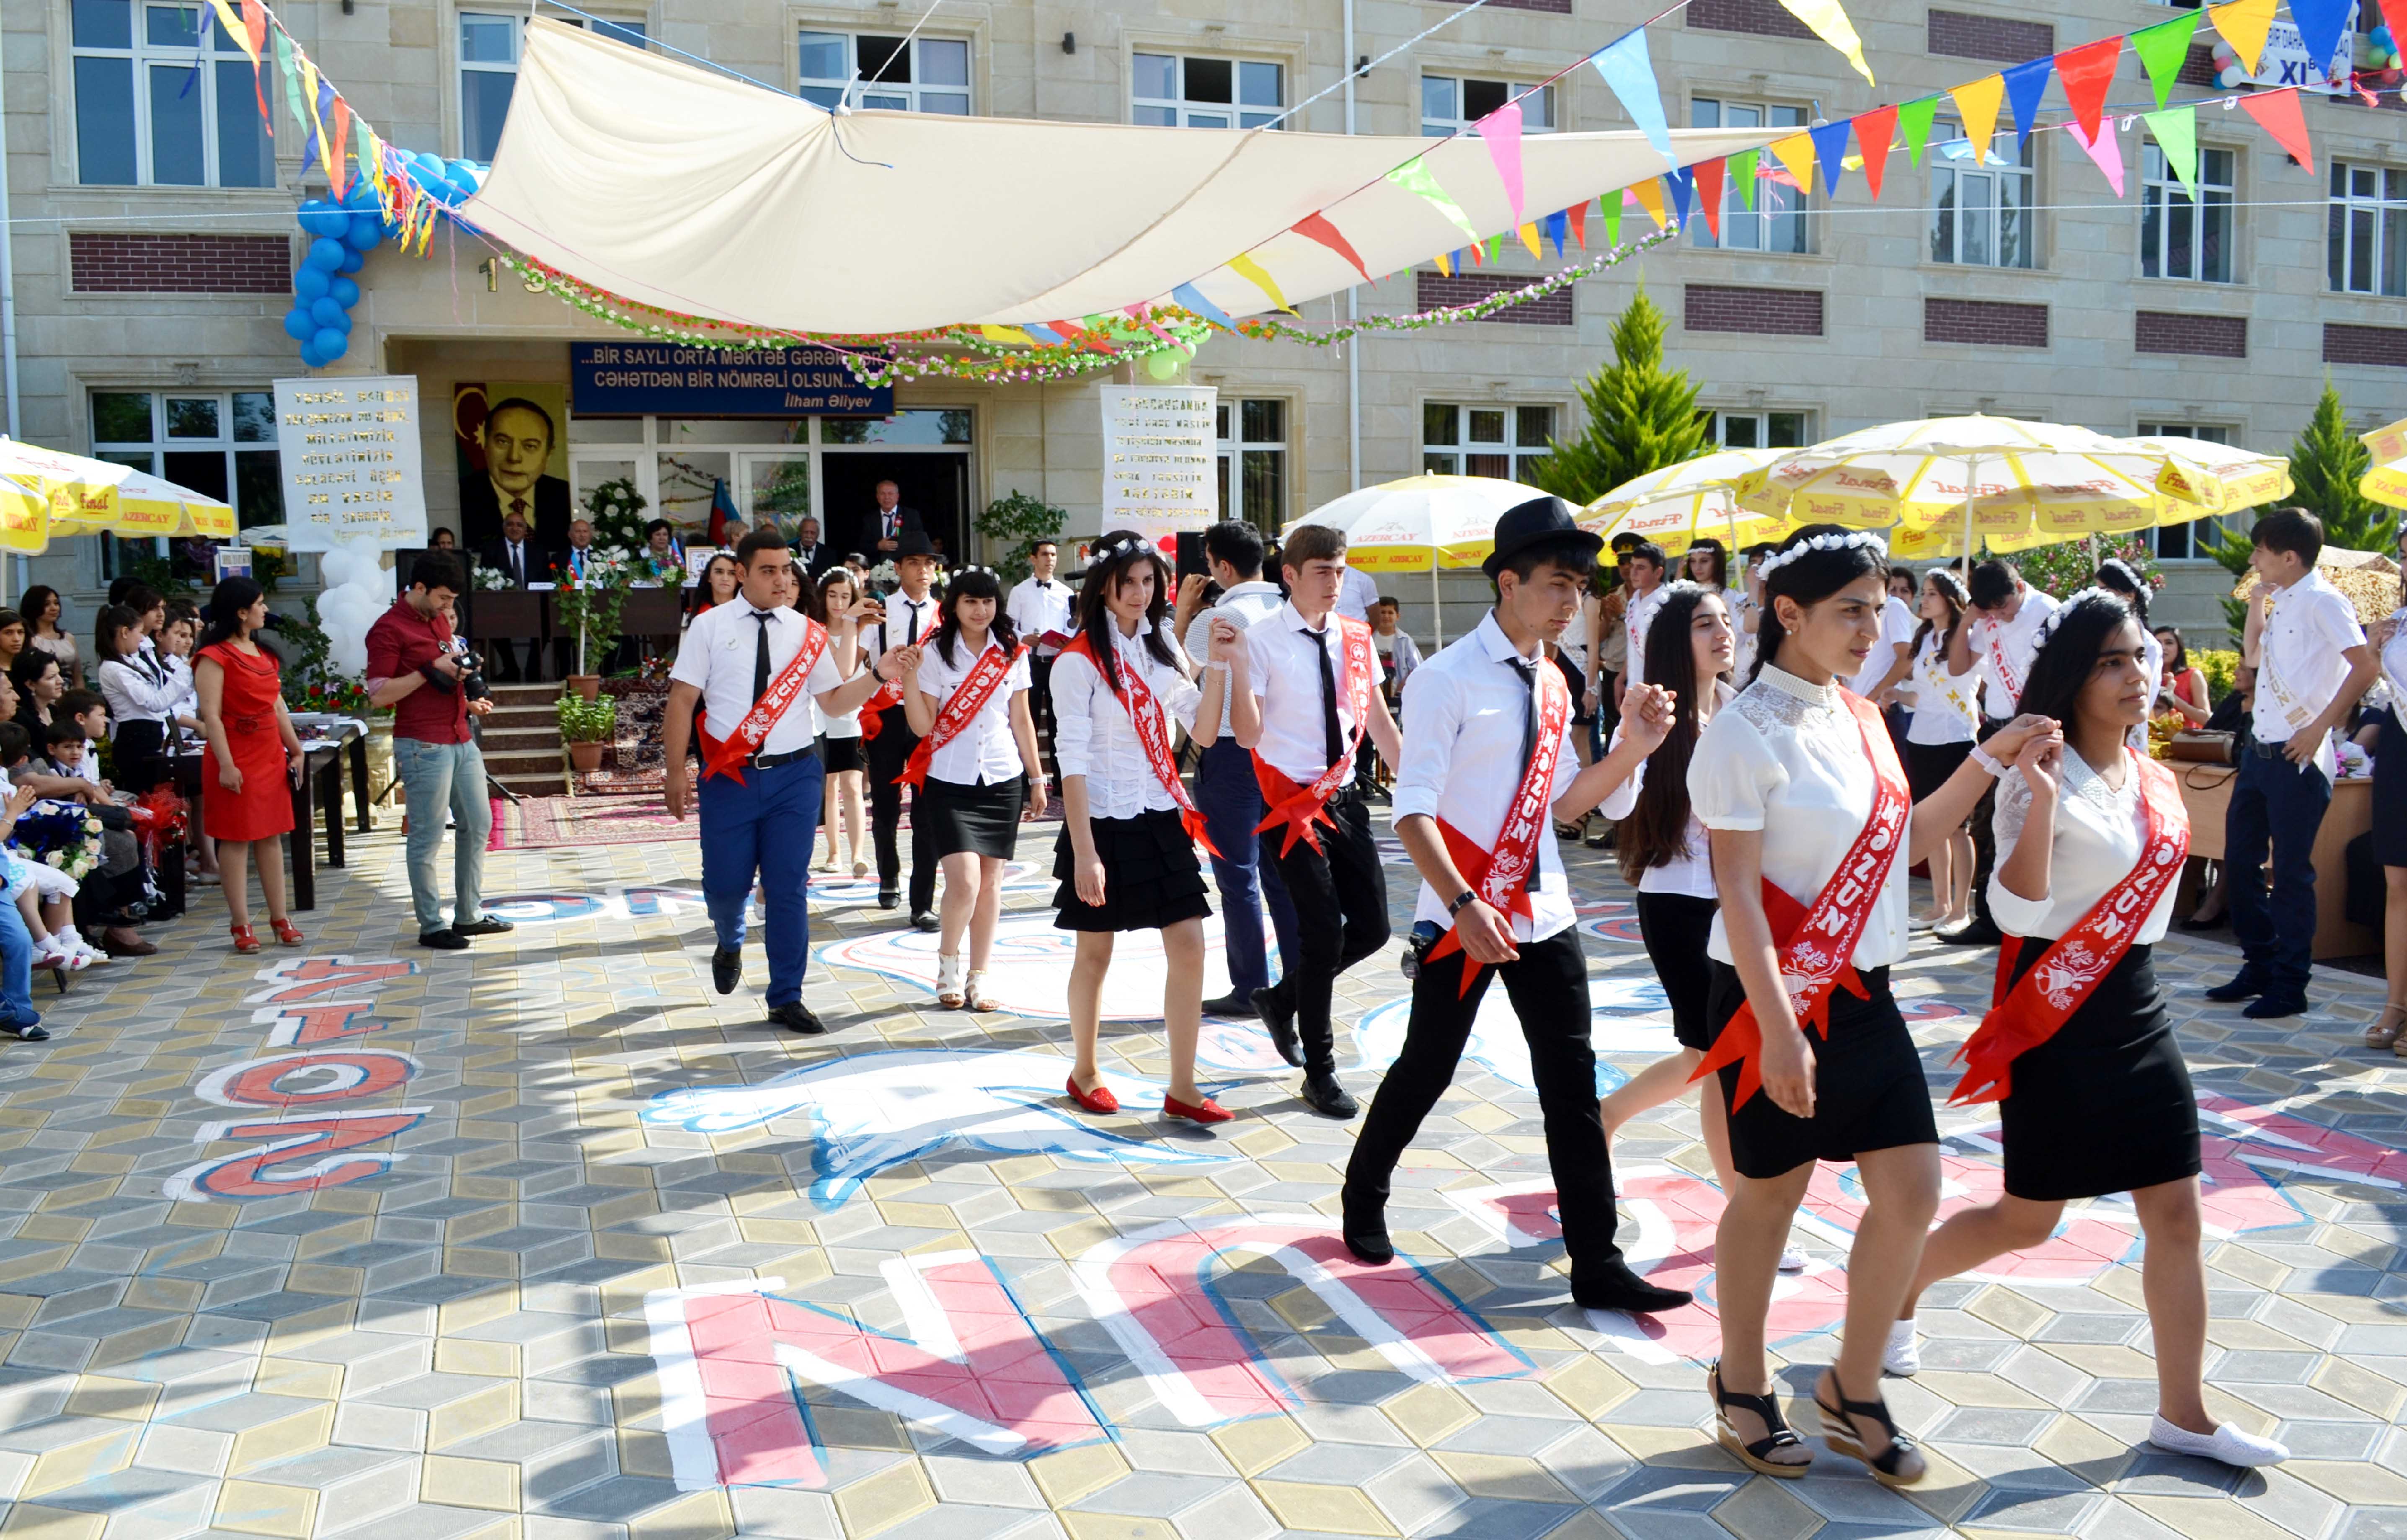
590 600
333 695
62 836
162 820
491 579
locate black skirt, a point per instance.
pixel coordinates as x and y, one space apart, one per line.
2105 1104
1674 926
1152 878
976 820
138 753
1927 765
1869 1089
2390 792
841 754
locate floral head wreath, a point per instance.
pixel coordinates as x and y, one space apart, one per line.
963 572
1683 585
1951 584
2116 564
1852 540
2047 627
1122 545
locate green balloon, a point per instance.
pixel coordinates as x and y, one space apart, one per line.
1163 362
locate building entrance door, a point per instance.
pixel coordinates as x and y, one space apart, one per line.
936 484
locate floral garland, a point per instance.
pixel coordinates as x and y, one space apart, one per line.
61 836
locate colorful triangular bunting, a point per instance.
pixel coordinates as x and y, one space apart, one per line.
2087 71
2321 24
2277 113
1831 147
1741 170
1915 119
2163 48
1796 154
1316 227
1416 177
1626 68
1710 175
2026 83
2244 24
1875 132
1683 184
1978 104
1501 132
1830 25
2104 149
2177 133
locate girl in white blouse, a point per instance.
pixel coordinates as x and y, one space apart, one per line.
1785 781
2390 829
1125 856
1946 722
840 751
2102 1105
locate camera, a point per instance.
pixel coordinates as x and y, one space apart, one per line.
472 671
1424 935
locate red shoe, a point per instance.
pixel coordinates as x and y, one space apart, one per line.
245 940
1098 1099
1205 1111
285 932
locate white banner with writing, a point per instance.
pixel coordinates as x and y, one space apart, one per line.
1159 477
350 456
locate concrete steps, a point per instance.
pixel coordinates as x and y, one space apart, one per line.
520 740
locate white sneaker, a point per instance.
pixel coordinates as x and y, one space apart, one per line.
1792 1260
1903 1355
2227 1444
60 952
93 956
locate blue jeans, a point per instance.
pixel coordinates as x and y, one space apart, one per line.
2274 800
16 968
439 778
765 825
1230 800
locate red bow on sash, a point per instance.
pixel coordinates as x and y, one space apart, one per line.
888 696
1816 944
2026 1013
726 756
1152 736
1302 806
967 700
1501 876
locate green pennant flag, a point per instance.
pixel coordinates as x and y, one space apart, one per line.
1415 176
2176 132
1495 247
1741 170
1609 206
1913 120
292 80
2163 48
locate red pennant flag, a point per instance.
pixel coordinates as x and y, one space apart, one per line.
1578 213
338 165
1709 192
2087 72
1316 227
2277 113
1876 135
254 26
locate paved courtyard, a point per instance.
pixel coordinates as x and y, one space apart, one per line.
546 1239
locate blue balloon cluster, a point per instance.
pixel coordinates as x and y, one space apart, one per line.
342 233
450 183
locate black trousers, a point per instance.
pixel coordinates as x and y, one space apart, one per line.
1040 707
1548 988
887 752
1340 881
1984 833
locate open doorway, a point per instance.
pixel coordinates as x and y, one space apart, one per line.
936 484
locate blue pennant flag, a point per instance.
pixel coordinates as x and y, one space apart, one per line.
1683 184
1192 297
1559 228
2321 24
1831 149
1626 68
2025 85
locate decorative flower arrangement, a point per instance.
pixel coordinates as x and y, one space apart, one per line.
491 579
333 696
63 835
590 600
616 511
883 578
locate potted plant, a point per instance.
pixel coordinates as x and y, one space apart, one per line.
587 727
590 601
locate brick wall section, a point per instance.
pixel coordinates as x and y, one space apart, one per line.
1560 8
2382 345
115 263
1986 323
1962 36
1764 312
1434 290
1763 17
2198 67
2185 331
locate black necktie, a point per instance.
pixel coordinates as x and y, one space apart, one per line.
517 565
1332 740
760 653
1526 670
911 636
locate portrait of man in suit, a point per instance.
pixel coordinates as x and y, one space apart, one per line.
518 439
889 519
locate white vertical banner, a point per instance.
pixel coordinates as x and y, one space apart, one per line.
348 444
1159 477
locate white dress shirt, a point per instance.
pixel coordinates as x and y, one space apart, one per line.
1636 621
1787 758
1944 710
1285 675
2299 668
2099 835
2018 640
897 628
1691 872
1244 607
1896 631
1094 737
717 656
1038 606
1462 763
137 689
985 751
1359 592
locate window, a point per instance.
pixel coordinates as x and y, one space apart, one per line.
2181 542
890 74
2179 240
2367 238
1980 204
1204 92
489 68
221 443
1758 430
1777 220
153 106
1253 462
1505 442
1450 105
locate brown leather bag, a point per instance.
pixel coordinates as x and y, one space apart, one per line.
2195 746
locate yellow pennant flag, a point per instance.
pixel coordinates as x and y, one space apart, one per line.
1796 153
1830 25
1445 263
317 124
1978 103
1251 271
230 23
2244 24
1649 196
1530 240
1009 335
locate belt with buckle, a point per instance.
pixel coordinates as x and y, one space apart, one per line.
771 762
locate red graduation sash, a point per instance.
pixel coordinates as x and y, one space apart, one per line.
961 708
2029 1011
1817 944
2005 670
726 756
1302 806
1501 876
1152 736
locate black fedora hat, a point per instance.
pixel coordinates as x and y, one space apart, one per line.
1542 517
913 543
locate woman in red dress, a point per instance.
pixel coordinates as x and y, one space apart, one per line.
257 754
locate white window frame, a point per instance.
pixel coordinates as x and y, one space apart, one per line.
1746 229
2162 194
2375 220
635 32
142 58
1761 424
148 454
1537 105
1182 111
917 94
2181 542
1235 449
1519 446
1948 173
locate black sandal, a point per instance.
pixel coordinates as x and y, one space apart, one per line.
1839 1430
1755 1455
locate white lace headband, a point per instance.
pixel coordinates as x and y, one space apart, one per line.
963 572
1852 540
1122 545
2047 627
1953 585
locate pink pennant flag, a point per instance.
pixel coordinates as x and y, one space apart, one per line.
2104 149
1501 131
2277 113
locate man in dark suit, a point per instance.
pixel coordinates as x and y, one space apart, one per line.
518 437
890 521
520 558
811 553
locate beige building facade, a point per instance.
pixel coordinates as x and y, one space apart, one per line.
150 265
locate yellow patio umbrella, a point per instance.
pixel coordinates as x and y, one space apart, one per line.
2201 479
2386 482
148 506
1421 523
1679 505
81 493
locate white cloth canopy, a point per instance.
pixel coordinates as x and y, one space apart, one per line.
683 189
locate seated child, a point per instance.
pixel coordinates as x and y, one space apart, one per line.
42 893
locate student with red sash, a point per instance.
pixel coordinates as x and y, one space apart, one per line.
965 692
1126 857
1807 812
751 663
1316 676
2078 1049
906 618
1489 769
1994 644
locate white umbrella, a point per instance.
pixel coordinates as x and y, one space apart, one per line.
1422 524
1678 505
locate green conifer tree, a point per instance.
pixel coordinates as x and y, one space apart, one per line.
1641 415
2326 462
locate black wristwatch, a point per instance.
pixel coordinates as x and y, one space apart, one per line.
1461 900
